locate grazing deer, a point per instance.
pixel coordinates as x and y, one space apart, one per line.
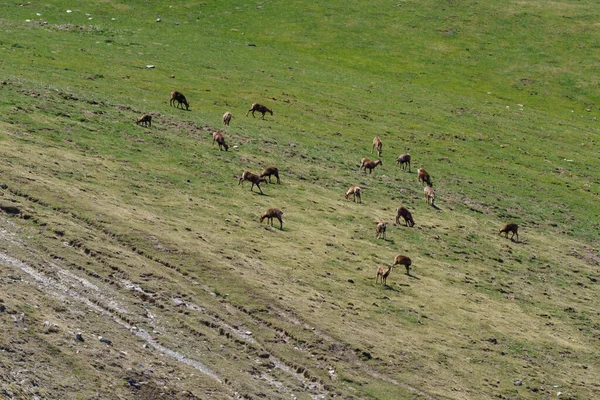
273 213
180 99
404 160
260 108
510 227
403 260
145 120
354 190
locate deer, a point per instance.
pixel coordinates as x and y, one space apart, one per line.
253 178
220 139
383 273
423 176
260 108
381 227
145 120
267 172
377 145
403 260
227 118
273 213
180 99
404 213
429 194
510 227
354 190
369 164
403 161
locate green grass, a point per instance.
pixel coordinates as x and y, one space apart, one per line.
495 100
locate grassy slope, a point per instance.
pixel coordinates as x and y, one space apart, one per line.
441 80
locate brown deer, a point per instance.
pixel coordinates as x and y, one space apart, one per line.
383 273
227 118
404 213
354 190
403 260
260 108
369 164
381 227
404 160
423 176
510 227
253 178
145 120
180 99
429 194
273 213
271 171
377 145
220 139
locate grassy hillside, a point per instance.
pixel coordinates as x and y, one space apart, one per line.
142 236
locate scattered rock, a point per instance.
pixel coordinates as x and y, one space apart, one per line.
104 340
12 210
79 337
133 383
264 355
518 383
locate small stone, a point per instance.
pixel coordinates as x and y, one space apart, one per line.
264 355
158 20
133 383
104 340
518 383
79 337
350 280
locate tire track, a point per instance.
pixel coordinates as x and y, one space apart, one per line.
63 291
300 373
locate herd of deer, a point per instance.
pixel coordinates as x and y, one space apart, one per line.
178 100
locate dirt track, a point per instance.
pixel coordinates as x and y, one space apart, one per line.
131 345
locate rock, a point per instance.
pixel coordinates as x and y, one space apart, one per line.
133 383
518 383
104 340
264 355
79 337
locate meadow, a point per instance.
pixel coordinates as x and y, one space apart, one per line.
142 236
